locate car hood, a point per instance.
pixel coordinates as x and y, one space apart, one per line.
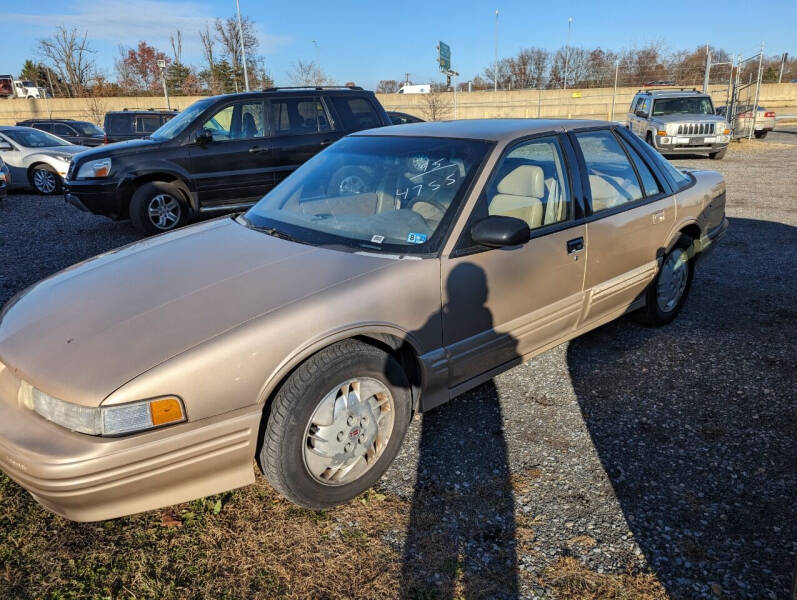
688 118
82 333
70 150
117 149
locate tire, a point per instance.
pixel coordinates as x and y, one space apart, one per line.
760 135
288 446
718 155
157 207
649 139
656 312
349 180
45 180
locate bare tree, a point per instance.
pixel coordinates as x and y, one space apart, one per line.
176 40
308 73
435 106
229 36
69 54
387 86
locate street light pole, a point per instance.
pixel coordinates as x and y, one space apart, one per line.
162 67
495 64
243 47
567 48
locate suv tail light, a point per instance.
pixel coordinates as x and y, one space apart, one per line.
769 113
105 139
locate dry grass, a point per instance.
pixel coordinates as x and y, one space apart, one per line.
568 578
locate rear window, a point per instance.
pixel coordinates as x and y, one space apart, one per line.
119 124
356 113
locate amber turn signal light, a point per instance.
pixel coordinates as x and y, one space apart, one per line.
661 132
165 410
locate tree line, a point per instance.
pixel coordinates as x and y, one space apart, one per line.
538 68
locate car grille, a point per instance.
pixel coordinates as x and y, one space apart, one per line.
695 128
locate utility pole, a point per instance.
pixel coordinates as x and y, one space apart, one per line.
243 46
707 72
783 60
495 64
567 48
616 71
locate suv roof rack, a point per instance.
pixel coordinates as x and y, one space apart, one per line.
145 110
313 87
668 88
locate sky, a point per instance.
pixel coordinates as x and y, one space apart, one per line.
365 41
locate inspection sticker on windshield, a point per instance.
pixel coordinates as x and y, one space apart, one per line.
378 239
416 238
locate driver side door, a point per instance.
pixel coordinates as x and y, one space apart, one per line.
502 304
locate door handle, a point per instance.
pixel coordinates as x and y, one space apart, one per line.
658 216
326 142
575 245
259 149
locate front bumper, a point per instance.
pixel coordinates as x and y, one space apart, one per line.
88 478
685 145
96 196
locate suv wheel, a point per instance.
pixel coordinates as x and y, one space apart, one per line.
157 207
45 180
718 155
335 425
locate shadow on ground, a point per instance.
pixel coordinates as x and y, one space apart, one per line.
695 423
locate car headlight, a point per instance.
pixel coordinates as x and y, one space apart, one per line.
67 158
94 169
104 420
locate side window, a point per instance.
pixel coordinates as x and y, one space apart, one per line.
612 180
530 183
61 129
44 126
147 123
120 124
644 105
649 182
298 116
240 121
635 104
356 113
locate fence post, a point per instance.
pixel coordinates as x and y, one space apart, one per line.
614 93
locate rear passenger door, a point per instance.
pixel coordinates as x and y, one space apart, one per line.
302 127
632 212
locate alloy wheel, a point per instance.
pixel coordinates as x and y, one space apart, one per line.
44 181
164 211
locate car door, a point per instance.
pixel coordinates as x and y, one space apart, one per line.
302 127
503 304
632 213
632 118
235 168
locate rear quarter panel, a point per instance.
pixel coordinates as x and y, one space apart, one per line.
702 204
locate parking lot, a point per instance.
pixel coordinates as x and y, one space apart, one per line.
631 462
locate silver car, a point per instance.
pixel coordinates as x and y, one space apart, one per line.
679 122
36 158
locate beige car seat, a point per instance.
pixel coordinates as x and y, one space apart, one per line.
520 195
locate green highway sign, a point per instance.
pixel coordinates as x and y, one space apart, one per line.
444 56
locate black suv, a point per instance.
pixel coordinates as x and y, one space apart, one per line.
81 133
221 154
134 124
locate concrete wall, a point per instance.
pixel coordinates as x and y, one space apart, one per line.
594 103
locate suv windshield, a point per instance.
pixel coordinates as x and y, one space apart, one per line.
34 138
178 124
395 194
684 106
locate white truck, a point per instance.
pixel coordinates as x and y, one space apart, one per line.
20 88
424 88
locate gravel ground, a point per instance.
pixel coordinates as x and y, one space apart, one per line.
632 449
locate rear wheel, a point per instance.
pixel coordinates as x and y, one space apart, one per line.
157 207
761 134
336 425
668 291
718 155
45 180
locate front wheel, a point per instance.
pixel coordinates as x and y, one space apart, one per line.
718 155
667 293
157 207
45 180
335 425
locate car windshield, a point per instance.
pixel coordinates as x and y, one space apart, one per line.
34 138
392 194
86 128
684 106
175 126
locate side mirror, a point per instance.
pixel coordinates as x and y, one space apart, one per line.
497 231
203 136
642 113
6 146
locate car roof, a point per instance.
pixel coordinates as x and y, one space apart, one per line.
484 129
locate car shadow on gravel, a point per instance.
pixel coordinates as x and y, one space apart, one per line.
460 540
695 422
